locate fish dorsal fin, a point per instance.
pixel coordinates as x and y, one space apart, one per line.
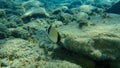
53 33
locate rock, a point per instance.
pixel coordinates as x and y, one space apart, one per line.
95 48
30 4
75 10
59 10
35 25
58 23
11 25
34 13
65 18
5 4
81 16
98 42
82 23
69 56
75 4
87 8
4 32
20 33
58 64
24 54
14 21
20 53
12 48
2 12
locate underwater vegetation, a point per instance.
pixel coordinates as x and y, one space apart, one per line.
59 34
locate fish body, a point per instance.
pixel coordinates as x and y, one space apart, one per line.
53 34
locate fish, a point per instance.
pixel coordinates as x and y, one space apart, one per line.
114 9
53 34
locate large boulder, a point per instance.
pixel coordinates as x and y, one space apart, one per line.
101 48
98 42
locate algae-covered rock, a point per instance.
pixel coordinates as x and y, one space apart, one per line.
34 13
98 42
59 10
81 16
11 25
58 23
75 4
20 33
4 32
58 64
19 53
96 48
2 12
30 4
5 4
65 17
87 8
12 48
36 24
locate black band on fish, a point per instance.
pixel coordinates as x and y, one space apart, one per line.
53 34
